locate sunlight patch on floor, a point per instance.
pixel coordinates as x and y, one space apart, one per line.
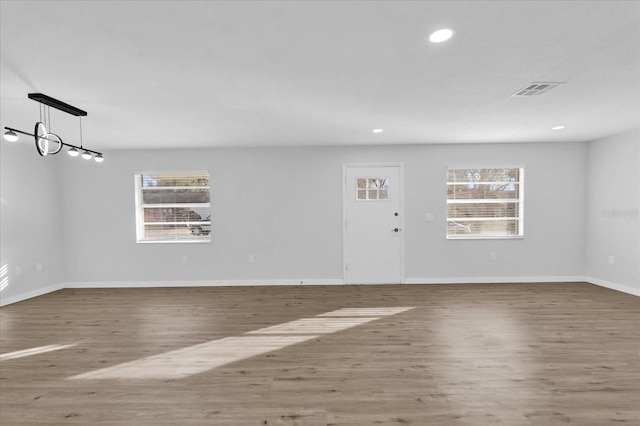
314 325
195 359
357 312
199 358
32 351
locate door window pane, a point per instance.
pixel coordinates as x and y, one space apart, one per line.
372 188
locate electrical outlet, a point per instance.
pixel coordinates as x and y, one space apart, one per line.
428 217
493 256
18 270
252 259
39 266
612 260
185 260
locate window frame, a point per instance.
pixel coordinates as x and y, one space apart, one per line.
520 200
139 206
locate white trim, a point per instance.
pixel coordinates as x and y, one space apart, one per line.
488 237
30 294
187 223
173 205
175 241
402 222
518 201
480 183
170 171
525 280
392 164
344 222
308 282
613 286
140 207
483 200
400 167
498 280
487 166
208 283
155 188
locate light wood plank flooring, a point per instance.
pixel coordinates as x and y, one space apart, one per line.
495 354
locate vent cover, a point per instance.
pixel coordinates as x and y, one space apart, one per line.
536 88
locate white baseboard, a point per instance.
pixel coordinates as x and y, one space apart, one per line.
30 294
289 282
209 283
490 280
544 279
613 286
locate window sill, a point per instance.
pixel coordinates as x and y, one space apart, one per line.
176 242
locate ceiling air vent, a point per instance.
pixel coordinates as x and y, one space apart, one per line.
536 88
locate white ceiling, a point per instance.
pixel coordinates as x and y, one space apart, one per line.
163 74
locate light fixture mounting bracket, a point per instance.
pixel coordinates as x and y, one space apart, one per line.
52 102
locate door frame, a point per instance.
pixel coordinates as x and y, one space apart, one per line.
400 167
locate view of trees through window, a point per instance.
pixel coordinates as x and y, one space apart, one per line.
485 203
173 207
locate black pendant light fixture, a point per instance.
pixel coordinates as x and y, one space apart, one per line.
48 143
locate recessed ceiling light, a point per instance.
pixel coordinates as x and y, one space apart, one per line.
557 128
441 35
378 130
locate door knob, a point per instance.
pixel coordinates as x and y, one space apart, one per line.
395 230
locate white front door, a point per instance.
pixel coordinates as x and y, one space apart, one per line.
373 219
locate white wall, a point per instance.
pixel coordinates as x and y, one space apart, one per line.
613 225
30 222
284 206
281 206
552 247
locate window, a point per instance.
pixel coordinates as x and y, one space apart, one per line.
373 188
485 203
173 207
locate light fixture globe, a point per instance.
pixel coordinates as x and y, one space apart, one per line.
73 152
99 158
86 155
441 35
10 136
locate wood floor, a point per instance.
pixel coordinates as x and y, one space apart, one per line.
495 354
